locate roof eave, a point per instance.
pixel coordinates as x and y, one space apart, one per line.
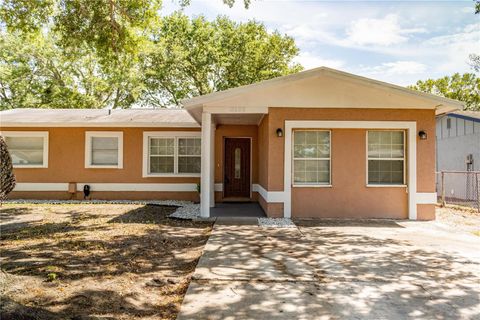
100 125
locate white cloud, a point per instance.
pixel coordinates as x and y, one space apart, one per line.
310 61
454 49
383 39
383 32
397 68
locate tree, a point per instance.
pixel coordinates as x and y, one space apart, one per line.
183 58
477 7
7 178
37 73
109 26
475 62
196 57
464 87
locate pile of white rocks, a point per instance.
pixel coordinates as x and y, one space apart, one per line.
276 223
190 211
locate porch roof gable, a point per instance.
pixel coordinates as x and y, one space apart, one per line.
319 88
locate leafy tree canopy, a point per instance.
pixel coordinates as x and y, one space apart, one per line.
179 58
109 26
464 87
195 57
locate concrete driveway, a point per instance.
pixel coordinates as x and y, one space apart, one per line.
336 270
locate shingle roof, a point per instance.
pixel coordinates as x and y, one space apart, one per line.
97 118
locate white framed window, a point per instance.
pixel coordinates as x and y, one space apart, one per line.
171 154
104 149
311 158
386 158
28 149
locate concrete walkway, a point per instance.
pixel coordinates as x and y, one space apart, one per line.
336 270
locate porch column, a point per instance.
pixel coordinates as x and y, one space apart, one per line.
206 163
212 165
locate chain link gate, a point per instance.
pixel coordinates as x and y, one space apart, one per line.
459 188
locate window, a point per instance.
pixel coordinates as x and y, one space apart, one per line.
238 160
386 157
28 149
162 155
311 157
189 150
171 153
104 149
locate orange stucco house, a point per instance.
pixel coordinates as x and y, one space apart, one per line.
319 143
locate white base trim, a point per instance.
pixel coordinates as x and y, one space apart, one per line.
142 187
28 186
426 198
271 196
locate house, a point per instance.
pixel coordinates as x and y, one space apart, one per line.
458 149
319 143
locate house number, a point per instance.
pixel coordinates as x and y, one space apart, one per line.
237 109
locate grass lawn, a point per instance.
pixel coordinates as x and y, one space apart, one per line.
87 261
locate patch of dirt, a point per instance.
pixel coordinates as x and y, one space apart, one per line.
460 218
99 260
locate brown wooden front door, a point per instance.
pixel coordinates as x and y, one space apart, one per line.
237 168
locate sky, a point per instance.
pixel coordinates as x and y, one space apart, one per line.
395 41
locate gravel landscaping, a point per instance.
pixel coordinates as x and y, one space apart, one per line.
276 223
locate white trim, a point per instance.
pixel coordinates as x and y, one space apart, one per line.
160 187
104 134
312 186
36 134
411 156
426 198
165 134
165 187
207 183
33 186
387 186
270 196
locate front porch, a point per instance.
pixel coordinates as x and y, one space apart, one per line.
237 209
230 162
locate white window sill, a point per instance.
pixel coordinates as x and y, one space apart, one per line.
102 167
386 185
172 175
312 186
28 166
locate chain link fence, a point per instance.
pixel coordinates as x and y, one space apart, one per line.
459 188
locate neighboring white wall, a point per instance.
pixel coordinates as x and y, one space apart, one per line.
453 146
